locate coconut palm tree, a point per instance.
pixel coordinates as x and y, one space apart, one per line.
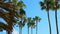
36 19
45 5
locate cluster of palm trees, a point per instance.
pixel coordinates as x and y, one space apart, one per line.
15 14
33 22
51 5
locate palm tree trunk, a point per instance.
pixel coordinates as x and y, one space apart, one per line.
9 32
49 22
56 1
56 22
28 29
36 27
31 30
20 31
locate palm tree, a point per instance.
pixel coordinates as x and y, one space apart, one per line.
29 23
22 19
10 15
45 5
20 27
21 24
36 19
6 16
32 26
54 6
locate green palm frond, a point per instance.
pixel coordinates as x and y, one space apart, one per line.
37 18
33 23
43 7
1 29
21 4
22 12
41 4
29 21
15 2
50 3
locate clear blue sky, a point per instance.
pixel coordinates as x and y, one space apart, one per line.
33 9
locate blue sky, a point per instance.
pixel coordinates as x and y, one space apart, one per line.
33 9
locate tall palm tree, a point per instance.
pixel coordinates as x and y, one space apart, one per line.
36 19
56 19
21 24
22 19
45 5
29 23
32 26
54 6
